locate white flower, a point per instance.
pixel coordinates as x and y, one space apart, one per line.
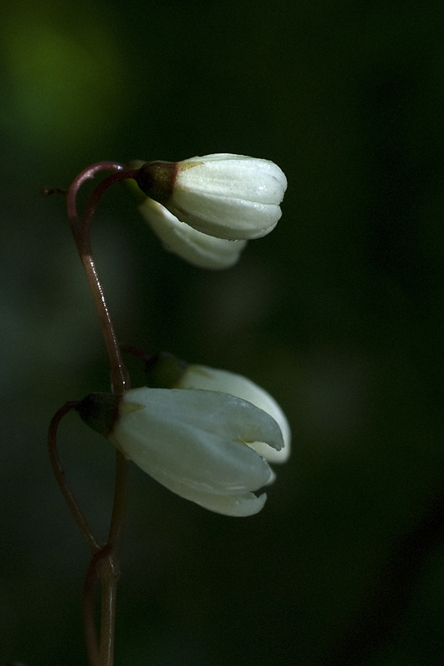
225 196
195 247
199 444
209 438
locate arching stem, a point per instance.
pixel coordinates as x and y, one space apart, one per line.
105 562
60 476
82 236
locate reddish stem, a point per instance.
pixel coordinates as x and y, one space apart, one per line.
93 200
76 184
82 236
92 645
105 562
60 476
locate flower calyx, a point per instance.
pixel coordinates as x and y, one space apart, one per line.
100 411
157 180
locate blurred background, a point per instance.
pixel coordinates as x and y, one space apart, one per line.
338 313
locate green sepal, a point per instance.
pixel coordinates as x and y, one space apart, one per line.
165 370
100 411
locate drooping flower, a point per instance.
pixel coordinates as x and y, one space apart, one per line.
199 444
222 196
209 440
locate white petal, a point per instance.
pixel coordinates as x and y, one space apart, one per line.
236 505
233 176
195 247
224 217
211 379
193 442
228 196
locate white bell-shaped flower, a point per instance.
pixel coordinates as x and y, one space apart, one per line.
227 196
206 434
199 444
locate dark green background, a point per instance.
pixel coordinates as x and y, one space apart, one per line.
338 313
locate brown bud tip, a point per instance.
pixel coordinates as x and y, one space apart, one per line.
156 180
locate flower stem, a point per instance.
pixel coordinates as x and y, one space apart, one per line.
121 174
82 236
118 372
109 575
60 476
92 645
109 569
86 174
105 562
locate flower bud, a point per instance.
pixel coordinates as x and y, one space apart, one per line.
226 196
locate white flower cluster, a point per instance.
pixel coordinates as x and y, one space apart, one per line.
207 435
